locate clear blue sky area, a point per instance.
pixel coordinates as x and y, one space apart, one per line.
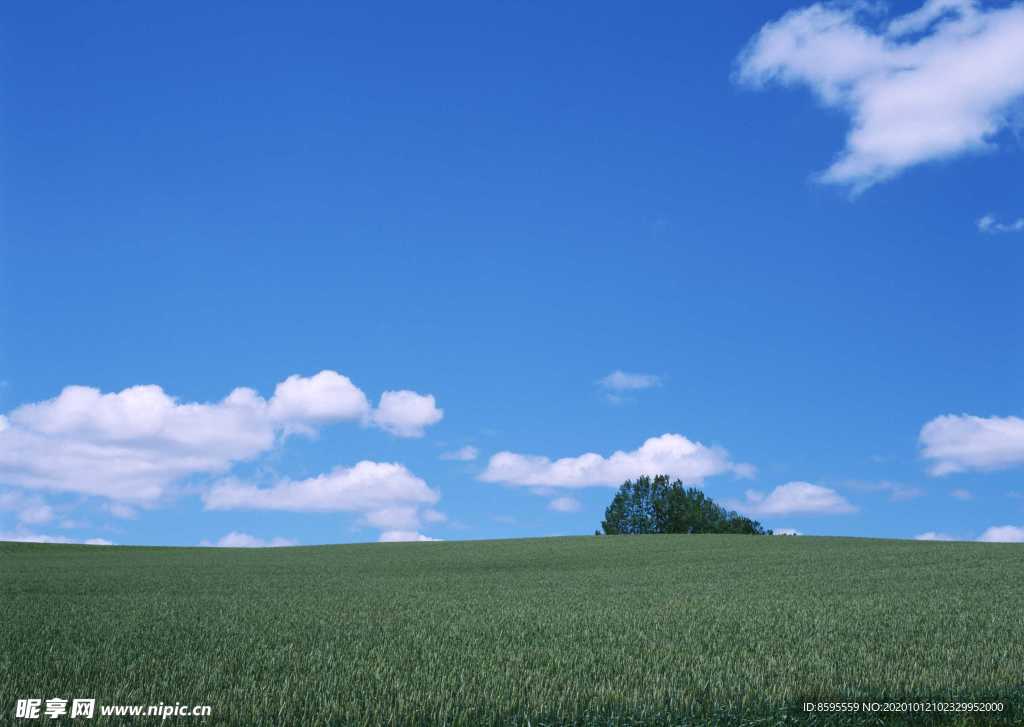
499 205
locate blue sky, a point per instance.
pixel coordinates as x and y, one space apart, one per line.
770 217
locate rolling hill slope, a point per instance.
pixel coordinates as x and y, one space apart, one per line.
638 629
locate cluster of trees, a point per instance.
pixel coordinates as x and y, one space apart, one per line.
647 505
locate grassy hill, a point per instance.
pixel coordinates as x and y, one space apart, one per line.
641 629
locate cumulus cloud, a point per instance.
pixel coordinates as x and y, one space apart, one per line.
235 539
366 486
131 446
961 494
463 454
404 536
786 531
406 413
793 498
670 454
622 381
931 84
387 495
324 397
991 225
1003 534
932 535
958 443
565 504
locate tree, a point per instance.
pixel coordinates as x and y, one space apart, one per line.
633 510
647 505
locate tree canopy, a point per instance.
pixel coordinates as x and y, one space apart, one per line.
655 505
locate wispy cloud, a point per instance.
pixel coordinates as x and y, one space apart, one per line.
991 225
20 536
932 535
236 539
29 509
793 498
897 492
622 381
565 504
405 536
618 384
122 511
463 454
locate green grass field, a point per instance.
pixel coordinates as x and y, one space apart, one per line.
613 630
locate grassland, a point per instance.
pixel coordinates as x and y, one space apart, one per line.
626 630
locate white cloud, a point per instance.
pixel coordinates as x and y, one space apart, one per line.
961 494
133 445
897 492
235 539
932 535
129 445
565 504
387 495
622 381
1003 534
29 509
793 498
27 537
406 413
404 536
394 518
463 454
120 510
785 531
366 487
964 442
670 454
990 224
36 514
932 84
326 396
